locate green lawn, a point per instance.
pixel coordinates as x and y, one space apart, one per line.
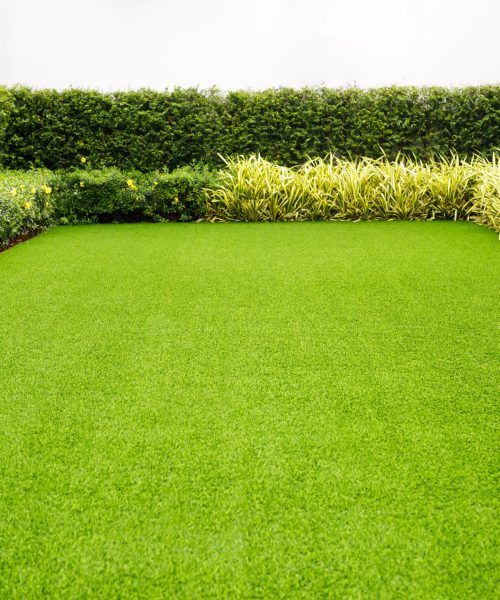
250 411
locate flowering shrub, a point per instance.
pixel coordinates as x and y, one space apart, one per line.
26 204
110 195
97 196
178 196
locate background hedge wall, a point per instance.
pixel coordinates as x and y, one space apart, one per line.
148 130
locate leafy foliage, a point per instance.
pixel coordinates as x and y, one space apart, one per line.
487 193
31 200
110 195
6 106
179 195
92 196
254 189
147 130
25 204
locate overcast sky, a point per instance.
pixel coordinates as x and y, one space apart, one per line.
240 44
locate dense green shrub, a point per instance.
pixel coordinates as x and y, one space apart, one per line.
32 200
142 130
25 204
93 196
178 196
146 130
110 195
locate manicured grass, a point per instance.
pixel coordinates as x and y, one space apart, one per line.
249 410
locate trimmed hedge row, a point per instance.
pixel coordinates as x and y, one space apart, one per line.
147 130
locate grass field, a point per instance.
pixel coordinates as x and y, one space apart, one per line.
250 411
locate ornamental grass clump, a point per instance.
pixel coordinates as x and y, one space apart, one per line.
486 207
255 189
340 189
451 185
331 188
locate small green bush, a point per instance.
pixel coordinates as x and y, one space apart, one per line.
178 196
110 195
97 196
26 204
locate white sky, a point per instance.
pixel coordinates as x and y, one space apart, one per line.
240 44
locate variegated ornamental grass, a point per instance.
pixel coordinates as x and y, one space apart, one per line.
487 193
254 189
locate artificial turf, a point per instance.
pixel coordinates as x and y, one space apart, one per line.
249 411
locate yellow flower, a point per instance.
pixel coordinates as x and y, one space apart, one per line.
83 159
176 200
46 189
131 185
13 191
33 190
27 205
82 184
155 183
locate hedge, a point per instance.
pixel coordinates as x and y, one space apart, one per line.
147 130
